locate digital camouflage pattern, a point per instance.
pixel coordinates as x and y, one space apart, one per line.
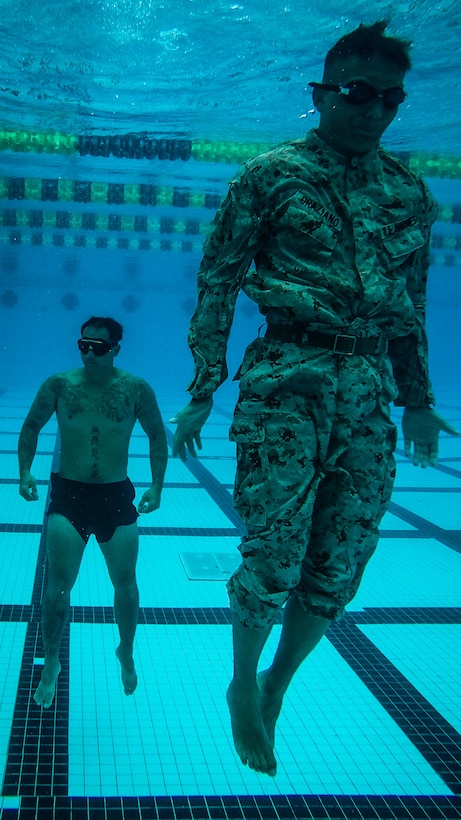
342 245
314 477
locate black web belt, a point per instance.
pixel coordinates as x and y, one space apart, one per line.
340 343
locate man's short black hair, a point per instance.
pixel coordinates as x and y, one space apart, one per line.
366 41
114 329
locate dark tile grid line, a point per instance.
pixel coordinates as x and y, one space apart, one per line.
14 452
184 485
407 615
450 538
15 481
211 616
29 528
245 807
37 760
17 613
222 532
157 531
435 738
432 490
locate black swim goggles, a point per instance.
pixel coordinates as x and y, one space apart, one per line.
358 92
99 346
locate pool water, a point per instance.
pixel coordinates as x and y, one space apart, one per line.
120 127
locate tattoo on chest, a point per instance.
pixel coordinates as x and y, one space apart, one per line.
117 401
94 449
75 400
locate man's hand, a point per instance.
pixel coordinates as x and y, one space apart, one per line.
421 427
150 500
28 487
190 421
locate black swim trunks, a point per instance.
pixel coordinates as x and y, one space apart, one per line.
93 509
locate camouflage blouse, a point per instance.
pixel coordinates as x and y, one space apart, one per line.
339 243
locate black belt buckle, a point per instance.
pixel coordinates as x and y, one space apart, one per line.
345 345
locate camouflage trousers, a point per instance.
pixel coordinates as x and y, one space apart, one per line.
315 471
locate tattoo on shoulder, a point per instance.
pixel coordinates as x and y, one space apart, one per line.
75 399
147 410
117 402
55 383
45 401
145 397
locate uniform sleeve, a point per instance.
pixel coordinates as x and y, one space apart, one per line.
409 354
228 252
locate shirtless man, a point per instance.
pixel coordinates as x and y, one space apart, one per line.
96 407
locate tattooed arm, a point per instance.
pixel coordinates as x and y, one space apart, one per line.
43 407
148 415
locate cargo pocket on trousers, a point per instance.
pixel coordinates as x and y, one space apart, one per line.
253 468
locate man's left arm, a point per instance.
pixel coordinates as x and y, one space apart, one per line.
148 415
421 425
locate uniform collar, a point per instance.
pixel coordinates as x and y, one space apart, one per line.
369 161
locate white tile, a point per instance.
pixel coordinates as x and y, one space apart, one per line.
186 508
15 510
410 476
12 637
19 564
41 467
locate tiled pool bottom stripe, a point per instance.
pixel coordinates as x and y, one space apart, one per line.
37 761
247 807
211 616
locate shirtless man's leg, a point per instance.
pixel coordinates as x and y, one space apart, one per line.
65 549
121 553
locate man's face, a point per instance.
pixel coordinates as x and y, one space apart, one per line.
90 360
356 129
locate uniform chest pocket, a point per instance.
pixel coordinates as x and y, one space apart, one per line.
399 243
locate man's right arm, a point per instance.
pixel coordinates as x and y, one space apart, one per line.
190 421
43 407
228 251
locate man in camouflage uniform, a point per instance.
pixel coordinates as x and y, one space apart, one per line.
339 233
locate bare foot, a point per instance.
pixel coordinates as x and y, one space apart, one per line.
46 689
129 676
271 704
250 738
